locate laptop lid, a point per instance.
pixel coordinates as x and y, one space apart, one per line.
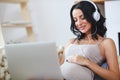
33 60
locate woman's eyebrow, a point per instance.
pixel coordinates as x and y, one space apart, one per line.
81 16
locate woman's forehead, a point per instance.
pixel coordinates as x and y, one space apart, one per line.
77 12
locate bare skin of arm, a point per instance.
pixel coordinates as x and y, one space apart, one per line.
112 73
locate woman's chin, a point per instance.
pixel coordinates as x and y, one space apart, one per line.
83 32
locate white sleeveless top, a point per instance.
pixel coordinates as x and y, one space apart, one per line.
72 71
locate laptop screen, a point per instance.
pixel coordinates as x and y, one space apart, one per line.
33 60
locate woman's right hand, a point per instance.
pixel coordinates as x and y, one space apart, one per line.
78 59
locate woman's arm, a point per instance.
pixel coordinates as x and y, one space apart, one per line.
112 73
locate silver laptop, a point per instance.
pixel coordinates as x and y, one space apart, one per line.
27 61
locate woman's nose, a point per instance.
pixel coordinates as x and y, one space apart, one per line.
79 22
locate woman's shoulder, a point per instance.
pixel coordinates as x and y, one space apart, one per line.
70 41
108 42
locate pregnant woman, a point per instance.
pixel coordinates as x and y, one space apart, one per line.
84 54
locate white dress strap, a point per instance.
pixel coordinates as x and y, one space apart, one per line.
101 41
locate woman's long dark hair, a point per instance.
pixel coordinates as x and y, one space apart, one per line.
88 9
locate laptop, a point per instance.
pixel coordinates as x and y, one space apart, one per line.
39 61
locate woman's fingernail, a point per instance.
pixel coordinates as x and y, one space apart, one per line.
66 60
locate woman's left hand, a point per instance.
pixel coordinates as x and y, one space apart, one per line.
78 59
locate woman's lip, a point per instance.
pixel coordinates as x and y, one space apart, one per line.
82 28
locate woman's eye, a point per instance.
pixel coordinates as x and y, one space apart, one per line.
82 18
75 20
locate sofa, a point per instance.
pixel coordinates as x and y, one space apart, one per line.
4 73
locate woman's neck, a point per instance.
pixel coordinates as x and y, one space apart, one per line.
88 37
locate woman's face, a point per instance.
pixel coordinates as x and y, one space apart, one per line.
81 23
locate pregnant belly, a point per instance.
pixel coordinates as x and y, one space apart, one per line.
72 71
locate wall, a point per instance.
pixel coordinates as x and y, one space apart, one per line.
113 20
50 19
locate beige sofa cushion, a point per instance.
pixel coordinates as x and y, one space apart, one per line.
119 59
4 73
